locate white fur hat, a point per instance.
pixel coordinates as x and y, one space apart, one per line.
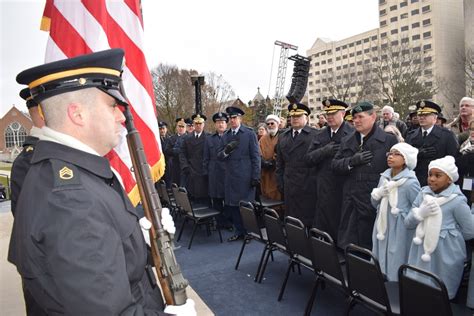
273 117
408 152
447 165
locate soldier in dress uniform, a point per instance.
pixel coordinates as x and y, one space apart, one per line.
191 160
165 139
242 167
189 125
172 150
295 177
76 240
320 154
361 158
432 141
214 168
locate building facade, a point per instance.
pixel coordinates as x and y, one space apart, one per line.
427 35
15 126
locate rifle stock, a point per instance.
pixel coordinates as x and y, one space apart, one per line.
172 282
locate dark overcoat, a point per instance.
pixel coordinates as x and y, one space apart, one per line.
357 212
172 149
76 240
168 159
241 166
295 175
191 158
329 184
442 139
213 167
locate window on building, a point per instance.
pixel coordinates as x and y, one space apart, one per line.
375 59
323 53
344 67
329 51
351 45
415 12
414 1
382 2
351 64
323 71
366 61
415 25
359 73
359 53
416 49
344 46
359 63
403 4
338 77
338 58
316 64
317 73
383 12
417 61
374 49
426 22
323 62
384 34
338 68
404 40
366 51
394 43
374 38
394 31
384 46
359 42
404 28
15 135
426 34
427 47
366 40
344 56
338 49
428 72
393 7
351 55
426 8
383 23
404 16
415 37
329 60
428 84
394 19
427 59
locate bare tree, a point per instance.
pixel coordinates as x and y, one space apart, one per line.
339 82
216 92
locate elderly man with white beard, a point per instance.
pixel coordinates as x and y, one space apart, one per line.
267 144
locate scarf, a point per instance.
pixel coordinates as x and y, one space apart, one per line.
389 199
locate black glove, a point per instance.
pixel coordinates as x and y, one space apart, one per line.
330 149
255 182
186 170
230 147
427 152
361 158
267 164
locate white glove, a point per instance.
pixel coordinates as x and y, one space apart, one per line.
167 221
145 224
186 309
426 209
379 193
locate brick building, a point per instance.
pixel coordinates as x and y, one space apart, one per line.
15 125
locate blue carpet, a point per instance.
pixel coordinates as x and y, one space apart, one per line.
209 267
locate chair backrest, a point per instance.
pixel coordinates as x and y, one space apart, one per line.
422 293
164 193
174 190
365 277
182 199
249 219
298 242
274 227
325 258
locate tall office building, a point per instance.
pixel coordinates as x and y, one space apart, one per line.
427 33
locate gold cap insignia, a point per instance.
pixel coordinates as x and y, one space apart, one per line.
82 81
29 148
198 116
295 106
66 174
422 104
327 103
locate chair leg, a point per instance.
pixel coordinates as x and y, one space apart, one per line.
220 234
182 228
192 235
309 305
350 304
244 242
287 275
270 251
261 262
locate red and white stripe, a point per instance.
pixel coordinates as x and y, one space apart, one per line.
80 27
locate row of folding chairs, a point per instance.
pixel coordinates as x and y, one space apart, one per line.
178 201
358 276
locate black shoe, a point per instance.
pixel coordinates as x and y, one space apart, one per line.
235 238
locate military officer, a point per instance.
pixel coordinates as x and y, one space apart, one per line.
172 150
191 160
242 167
76 240
189 125
165 139
320 154
296 179
361 158
432 141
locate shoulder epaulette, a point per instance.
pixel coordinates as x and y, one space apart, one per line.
64 173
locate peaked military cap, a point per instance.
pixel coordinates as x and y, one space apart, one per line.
220 116
362 107
188 121
233 111
348 115
442 118
180 122
101 70
26 95
427 107
162 124
198 118
297 109
333 105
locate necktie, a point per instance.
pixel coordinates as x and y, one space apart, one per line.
332 134
424 134
234 132
197 136
295 134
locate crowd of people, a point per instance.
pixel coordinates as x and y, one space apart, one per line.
401 189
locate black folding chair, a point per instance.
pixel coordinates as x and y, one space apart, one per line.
423 293
326 265
298 246
276 238
167 199
254 232
199 217
367 283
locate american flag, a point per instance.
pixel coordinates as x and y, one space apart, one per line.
80 27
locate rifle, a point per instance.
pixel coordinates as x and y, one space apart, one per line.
173 283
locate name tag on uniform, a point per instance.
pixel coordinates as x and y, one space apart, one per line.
468 184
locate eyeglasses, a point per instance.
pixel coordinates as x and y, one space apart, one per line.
393 153
271 123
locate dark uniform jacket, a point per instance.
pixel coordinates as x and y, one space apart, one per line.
213 167
76 240
172 150
440 138
295 176
329 184
241 166
20 168
191 157
168 159
357 213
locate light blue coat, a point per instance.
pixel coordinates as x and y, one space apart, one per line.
392 252
470 291
447 261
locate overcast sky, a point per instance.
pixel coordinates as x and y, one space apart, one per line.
234 38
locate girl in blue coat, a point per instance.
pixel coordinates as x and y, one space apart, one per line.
396 191
443 221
